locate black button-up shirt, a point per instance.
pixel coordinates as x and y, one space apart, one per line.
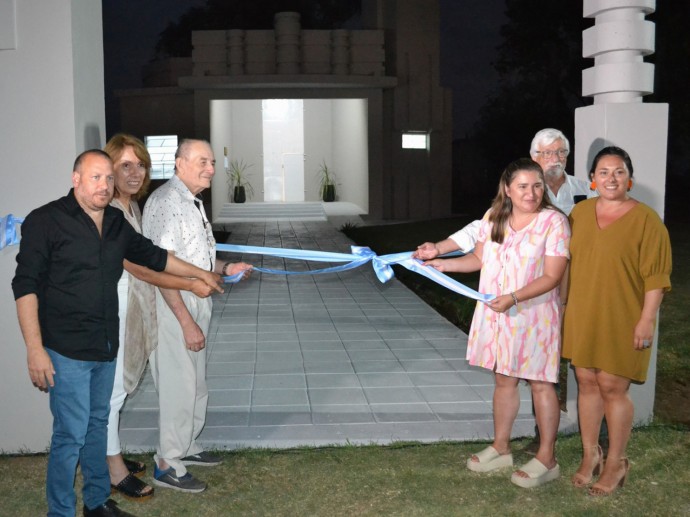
74 272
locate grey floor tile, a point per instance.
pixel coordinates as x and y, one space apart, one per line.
280 415
232 356
263 357
449 394
271 367
328 367
384 380
382 354
233 346
388 413
396 395
437 379
262 382
237 417
342 414
230 382
331 356
318 360
279 397
332 380
376 344
229 398
323 396
431 365
322 345
377 366
139 419
410 354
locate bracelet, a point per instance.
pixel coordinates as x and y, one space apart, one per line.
515 300
224 271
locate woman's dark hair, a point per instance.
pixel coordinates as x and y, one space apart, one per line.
502 206
611 151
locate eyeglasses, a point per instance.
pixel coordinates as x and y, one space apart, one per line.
562 153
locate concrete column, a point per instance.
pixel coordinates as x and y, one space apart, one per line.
235 42
340 52
287 30
618 42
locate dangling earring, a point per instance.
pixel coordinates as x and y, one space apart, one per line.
593 185
629 185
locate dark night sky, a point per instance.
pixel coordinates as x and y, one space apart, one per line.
469 35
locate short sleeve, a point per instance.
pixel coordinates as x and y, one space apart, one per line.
484 232
467 237
655 254
558 236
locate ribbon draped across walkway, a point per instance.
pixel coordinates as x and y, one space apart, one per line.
360 255
8 230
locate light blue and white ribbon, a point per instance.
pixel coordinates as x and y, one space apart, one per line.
360 255
8 230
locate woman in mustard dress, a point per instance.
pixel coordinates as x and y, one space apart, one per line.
522 252
620 268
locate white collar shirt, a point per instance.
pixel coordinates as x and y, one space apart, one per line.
174 221
565 199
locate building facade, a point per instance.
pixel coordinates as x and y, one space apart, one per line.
347 97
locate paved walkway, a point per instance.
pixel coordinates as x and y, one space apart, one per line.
328 359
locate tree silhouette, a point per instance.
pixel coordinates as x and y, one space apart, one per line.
176 40
540 68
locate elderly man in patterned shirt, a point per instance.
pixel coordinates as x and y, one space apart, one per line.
174 219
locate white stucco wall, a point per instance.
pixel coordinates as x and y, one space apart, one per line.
335 130
51 100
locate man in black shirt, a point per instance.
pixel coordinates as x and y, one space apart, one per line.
69 262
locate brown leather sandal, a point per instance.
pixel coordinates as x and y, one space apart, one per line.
132 488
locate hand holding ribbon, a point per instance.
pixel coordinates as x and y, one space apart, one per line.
360 255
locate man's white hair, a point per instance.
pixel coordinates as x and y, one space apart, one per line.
547 137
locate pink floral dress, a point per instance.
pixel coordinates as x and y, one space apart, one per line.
524 341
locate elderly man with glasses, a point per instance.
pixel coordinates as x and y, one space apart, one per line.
550 149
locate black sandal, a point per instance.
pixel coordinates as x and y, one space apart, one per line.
132 488
135 467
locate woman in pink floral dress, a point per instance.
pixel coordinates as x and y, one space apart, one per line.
522 253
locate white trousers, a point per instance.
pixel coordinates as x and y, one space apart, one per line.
180 378
117 399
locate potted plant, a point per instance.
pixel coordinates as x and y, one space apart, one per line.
238 184
326 182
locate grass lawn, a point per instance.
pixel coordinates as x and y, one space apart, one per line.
407 479
414 479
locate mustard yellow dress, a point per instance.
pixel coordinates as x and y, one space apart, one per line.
610 271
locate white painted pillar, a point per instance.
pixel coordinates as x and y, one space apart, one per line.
618 42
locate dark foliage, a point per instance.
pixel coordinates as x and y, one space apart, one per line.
540 68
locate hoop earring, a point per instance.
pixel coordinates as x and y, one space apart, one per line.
630 184
593 185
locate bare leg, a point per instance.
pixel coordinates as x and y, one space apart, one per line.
591 413
548 413
619 412
506 406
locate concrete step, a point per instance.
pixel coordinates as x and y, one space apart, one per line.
264 212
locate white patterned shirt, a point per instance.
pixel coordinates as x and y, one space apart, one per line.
173 221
